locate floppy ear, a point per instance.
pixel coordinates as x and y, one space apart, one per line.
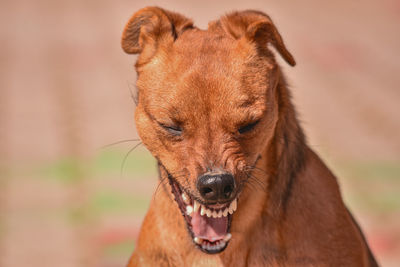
258 27
151 25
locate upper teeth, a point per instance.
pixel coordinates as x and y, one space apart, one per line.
210 213
233 206
196 206
189 210
185 198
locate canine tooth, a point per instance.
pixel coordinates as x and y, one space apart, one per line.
196 206
189 210
225 213
198 240
215 214
203 210
219 213
185 198
234 204
208 213
230 209
227 237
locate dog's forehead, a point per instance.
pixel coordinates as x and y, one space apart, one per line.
202 67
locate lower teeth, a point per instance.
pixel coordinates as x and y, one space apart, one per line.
216 246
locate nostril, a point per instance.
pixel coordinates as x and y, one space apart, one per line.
228 190
205 191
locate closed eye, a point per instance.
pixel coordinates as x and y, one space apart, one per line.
172 129
248 127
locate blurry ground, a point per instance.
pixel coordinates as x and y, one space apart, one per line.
64 93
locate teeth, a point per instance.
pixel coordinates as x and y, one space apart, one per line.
189 210
196 206
208 213
185 198
233 206
198 240
203 210
217 246
225 213
215 214
219 214
227 237
220 245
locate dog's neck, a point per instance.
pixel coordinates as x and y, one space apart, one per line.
286 154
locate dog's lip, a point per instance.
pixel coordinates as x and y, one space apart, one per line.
204 244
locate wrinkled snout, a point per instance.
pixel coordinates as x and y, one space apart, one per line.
216 187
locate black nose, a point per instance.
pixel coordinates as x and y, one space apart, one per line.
216 187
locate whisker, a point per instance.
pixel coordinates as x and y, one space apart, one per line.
260 183
249 183
252 184
163 181
119 142
257 169
126 156
134 97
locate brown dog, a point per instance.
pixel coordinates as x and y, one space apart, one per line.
240 186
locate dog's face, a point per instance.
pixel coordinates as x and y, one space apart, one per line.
206 108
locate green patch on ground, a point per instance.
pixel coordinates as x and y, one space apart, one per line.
139 161
372 186
108 163
77 174
114 202
108 204
69 170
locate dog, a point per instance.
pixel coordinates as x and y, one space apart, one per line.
239 186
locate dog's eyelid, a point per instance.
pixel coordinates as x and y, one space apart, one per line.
248 127
173 129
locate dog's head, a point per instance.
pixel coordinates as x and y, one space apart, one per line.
207 108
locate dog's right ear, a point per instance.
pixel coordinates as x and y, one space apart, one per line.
257 27
149 26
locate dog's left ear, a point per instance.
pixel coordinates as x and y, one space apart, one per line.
258 27
150 26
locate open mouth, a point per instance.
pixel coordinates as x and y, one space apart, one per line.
208 225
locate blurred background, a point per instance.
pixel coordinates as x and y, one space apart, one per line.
65 94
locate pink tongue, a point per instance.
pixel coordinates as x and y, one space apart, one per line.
209 228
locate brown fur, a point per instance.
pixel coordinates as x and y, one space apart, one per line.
210 83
